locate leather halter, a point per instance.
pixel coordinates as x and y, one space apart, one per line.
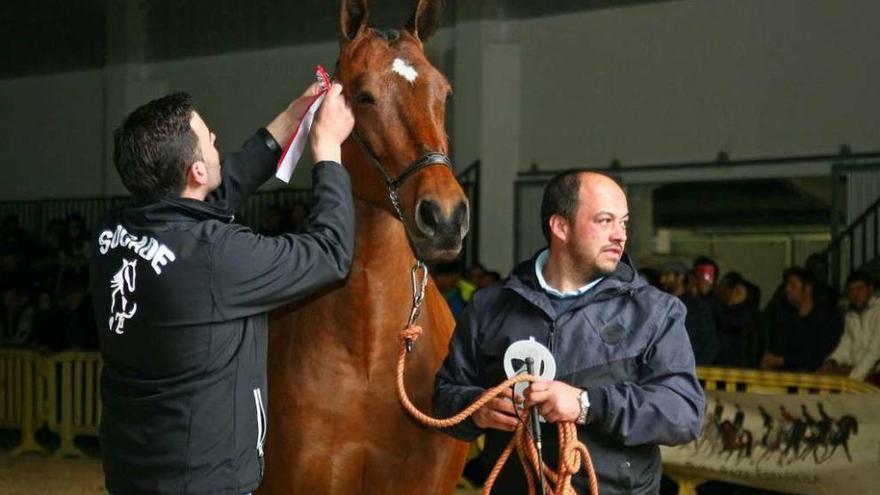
394 184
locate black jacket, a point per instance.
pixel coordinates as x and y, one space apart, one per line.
623 341
181 295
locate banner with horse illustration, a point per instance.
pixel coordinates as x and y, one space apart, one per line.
806 444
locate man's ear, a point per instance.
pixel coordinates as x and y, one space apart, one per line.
197 174
559 227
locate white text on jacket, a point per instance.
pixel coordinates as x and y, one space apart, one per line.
146 247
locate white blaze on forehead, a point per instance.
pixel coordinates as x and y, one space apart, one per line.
405 70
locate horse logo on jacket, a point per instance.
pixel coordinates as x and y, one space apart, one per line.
122 284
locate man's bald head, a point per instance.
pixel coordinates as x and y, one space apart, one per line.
562 194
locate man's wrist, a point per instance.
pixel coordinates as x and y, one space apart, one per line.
326 152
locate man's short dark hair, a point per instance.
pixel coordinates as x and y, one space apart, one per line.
805 276
560 198
860 276
155 145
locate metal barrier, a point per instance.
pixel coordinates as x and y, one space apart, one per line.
22 394
73 402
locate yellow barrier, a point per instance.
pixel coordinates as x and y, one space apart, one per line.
74 397
22 396
747 381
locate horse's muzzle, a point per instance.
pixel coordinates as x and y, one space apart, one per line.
441 229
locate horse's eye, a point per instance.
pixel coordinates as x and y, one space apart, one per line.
364 98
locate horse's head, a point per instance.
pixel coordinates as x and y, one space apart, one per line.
400 143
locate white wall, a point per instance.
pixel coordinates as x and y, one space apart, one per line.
51 136
677 81
57 143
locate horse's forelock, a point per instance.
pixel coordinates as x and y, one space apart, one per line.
390 35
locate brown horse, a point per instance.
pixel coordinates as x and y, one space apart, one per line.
336 426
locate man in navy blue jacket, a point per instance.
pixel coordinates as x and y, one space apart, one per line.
181 293
625 368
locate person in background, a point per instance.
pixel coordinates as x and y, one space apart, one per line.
699 322
447 277
806 336
858 352
737 312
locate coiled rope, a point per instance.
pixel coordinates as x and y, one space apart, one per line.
573 454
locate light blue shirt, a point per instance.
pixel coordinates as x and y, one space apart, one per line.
539 268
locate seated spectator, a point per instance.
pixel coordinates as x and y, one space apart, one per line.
705 274
817 264
49 326
699 322
806 335
737 308
15 239
857 353
475 273
47 260
299 218
16 314
487 279
273 221
75 248
77 315
447 278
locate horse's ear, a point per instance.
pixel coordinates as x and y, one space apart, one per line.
353 18
426 19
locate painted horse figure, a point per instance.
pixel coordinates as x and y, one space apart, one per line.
336 426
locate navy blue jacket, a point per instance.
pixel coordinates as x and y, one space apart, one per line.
623 341
181 295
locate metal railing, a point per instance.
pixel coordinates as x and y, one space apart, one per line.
856 246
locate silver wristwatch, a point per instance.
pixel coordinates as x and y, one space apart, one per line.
584 401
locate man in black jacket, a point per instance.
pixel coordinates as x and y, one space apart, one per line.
625 369
181 293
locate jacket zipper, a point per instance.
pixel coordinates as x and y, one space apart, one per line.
552 335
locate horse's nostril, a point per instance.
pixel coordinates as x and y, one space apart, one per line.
429 214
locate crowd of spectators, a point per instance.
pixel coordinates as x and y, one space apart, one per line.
44 280
44 283
806 326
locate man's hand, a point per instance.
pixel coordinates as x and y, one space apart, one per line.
333 123
499 414
771 361
281 128
557 401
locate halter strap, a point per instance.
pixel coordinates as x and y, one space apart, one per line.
428 159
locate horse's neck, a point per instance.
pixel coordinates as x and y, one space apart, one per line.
380 273
381 245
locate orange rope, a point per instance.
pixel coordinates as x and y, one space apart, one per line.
572 452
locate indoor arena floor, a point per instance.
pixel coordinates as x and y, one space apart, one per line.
35 474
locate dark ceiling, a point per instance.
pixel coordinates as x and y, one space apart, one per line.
66 35
733 204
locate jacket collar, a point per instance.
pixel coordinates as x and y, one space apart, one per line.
524 281
170 210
